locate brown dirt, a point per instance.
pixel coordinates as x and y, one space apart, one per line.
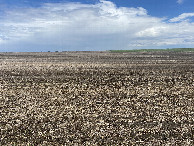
97 98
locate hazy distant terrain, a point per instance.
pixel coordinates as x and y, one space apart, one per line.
97 98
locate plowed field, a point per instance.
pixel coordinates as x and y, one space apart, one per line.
97 98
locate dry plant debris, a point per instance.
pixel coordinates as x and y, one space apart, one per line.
97 98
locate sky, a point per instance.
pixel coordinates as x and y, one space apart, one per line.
95 25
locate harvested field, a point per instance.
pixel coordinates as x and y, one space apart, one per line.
97 98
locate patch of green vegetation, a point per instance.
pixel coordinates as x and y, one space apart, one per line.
182 49
154 50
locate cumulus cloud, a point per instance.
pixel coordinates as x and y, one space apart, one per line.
180 1
77 26
182 17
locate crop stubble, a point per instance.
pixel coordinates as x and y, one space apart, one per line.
97 98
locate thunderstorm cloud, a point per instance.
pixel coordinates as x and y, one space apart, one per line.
100 26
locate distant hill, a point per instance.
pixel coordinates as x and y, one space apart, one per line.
155 50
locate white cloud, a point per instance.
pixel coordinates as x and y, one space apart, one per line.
180 1
101 26
152 32
182 17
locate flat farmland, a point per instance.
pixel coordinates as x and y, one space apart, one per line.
97 98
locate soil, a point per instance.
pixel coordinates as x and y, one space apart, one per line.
97 98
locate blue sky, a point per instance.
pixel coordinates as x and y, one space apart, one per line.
73 25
